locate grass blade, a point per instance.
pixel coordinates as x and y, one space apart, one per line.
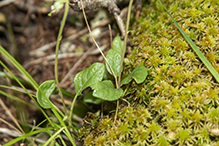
195 48
27 135
19 67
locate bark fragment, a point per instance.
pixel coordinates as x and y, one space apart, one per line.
110 4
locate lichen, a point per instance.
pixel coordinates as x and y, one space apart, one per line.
178 103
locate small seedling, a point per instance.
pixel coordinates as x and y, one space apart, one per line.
93 77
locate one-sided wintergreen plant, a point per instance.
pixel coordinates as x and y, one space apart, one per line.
105 90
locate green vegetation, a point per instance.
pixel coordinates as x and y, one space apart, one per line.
178 103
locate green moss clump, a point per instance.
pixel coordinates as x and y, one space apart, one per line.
178 103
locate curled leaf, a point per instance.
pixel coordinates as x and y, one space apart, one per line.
43 93
139 74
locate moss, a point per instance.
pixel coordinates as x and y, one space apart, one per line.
178 103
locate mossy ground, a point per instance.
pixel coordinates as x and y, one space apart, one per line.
178 103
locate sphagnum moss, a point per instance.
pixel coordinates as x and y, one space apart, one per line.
178 103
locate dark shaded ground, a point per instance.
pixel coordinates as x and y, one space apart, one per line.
29 34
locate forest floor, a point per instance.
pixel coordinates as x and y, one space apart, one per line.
29 35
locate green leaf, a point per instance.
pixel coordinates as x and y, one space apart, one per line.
88 77
44 91
118 44
114 59
89 98
114 56
139 74
106 91
15 140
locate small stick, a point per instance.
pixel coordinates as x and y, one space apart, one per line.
111 37
84 56
123 54
93 4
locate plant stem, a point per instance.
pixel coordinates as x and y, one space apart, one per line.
85 18
125 40
57 52
71 109
123 54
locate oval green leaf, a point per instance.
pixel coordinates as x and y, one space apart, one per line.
106 91
88 77
118 44
114 60
139 74
43 93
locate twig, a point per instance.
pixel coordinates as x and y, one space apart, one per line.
93 4
40 51
33 9
11 116
111 37
11 36
138 8
10 125
51 57
94 52
120 24
14 133
84 56
6 2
